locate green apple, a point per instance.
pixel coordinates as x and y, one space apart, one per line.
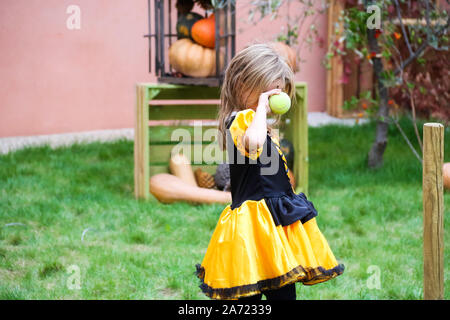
280 103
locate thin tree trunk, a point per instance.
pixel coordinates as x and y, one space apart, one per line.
375 156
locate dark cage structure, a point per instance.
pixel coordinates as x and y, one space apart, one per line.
179 55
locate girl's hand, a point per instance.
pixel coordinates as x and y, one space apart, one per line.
264 99
256 134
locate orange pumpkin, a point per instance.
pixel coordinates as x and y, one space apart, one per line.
168 188
203 32
288 53
291 178
180 166
446 173
192 59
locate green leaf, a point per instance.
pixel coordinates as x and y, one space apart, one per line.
410 85
386 54
422 61
346 106
366 95
422 90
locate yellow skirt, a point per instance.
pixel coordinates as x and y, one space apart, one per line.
248 253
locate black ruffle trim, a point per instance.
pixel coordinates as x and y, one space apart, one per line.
290 207
308 276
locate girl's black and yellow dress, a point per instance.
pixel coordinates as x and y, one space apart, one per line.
268 236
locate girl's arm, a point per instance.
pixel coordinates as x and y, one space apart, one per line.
256 133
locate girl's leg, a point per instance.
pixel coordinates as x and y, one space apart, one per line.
284 293
252 298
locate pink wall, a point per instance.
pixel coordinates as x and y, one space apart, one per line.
56 80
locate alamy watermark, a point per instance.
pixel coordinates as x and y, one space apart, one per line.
199 151
74 280
374 280
73 22
374 21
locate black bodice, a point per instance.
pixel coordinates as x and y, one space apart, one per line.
266 178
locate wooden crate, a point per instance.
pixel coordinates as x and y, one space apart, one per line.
163 109
360 78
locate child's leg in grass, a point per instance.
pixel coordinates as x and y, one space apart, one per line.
284 293
252 298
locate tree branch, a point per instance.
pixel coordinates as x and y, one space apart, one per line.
422 47
427 17
413 108
405 36
411 58
407 140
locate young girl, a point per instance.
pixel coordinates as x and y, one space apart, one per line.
267 238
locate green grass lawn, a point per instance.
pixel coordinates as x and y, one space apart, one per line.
72 211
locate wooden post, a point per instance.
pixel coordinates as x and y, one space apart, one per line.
141 147
300 140
335 89
433 211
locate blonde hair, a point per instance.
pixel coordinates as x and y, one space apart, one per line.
253 69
